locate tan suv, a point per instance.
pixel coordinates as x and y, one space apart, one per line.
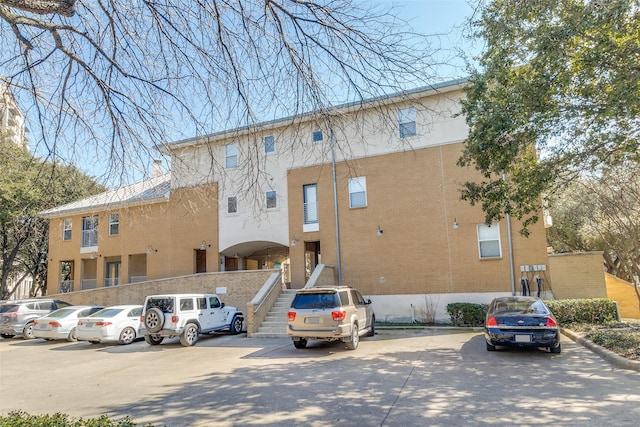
330 314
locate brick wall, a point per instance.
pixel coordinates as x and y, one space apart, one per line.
579 275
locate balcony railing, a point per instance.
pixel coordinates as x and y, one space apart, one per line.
137 279
89 238
111 281
88 284
66 286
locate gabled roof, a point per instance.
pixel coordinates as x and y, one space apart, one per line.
152 190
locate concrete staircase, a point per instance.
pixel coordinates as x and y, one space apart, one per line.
275 323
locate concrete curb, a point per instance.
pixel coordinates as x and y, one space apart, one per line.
608 355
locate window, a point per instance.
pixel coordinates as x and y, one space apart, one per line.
316 136
66 230
271 200
231 156
232 204
358 192
407 122
90 231
269 144
310 194
489 241
114 224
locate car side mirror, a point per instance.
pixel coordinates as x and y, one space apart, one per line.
368 301
222 305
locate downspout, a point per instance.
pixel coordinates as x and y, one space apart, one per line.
335 204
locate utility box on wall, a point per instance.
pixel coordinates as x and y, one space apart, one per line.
577 275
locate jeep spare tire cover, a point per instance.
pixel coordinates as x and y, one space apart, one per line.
154 319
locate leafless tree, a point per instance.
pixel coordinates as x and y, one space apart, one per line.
118 78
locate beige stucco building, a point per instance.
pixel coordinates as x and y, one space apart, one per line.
266 198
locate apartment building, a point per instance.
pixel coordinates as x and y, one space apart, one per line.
12 126
371 189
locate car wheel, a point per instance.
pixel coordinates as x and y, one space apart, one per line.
127 336
372 330
27 332
190 335
153 339
236 325
7 336
352 344
301 343
556 350
72 335
490 347
154 320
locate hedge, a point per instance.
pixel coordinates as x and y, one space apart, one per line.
593 311
22 419
466 313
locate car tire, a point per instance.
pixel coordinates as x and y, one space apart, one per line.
127 336
153 339
236 325
372 329
490 347
27 332
352 344
154 320
556 350
7 336
72 335
190 335
301 343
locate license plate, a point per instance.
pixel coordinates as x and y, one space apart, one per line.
312 320
523 338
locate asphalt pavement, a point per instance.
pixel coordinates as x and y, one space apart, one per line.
402 378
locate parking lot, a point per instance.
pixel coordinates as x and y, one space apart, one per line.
397 378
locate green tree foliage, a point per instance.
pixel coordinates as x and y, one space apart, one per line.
559 78
28 186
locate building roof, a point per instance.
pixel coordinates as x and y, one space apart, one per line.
152 190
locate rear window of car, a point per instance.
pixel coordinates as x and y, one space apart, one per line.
107 312
316 300
527 307
164 304
63 312
9 308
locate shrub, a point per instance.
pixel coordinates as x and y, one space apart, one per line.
593 311
22 419
466 313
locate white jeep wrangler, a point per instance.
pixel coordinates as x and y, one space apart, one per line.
187 316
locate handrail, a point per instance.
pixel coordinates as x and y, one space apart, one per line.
265 291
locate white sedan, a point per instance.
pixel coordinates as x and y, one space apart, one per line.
61 324
120 323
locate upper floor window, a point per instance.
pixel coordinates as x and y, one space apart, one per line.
357 192
269 144
407 122
231 155
316 136
114 224
232 204
90 231
271 199
66 229
489 241
310 195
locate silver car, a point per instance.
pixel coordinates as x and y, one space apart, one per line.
61 324
330 314
16 317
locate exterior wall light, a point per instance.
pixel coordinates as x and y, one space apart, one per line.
455 224
379 231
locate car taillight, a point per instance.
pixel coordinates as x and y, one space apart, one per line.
174 319
103 323
13 314
141 319
551 323
492 321
55 324
291 316
35 322
80 323
338 315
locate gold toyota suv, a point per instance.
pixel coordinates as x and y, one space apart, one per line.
330 314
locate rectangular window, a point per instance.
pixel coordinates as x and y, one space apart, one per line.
114 224
310 194
269 144
358 192
66 229
231 156
271 199
232 204
90 231
407 122
489 241
316 136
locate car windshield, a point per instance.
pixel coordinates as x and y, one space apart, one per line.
520 307
316 300
107 312
164 304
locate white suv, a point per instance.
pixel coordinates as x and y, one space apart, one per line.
187 316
